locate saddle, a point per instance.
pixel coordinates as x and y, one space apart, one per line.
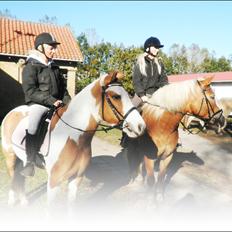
40 134
43 126
42 138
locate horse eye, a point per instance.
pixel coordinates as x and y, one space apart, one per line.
116 97
212 97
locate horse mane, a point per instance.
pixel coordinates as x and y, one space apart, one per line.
173 97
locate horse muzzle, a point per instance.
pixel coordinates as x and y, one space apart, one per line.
217 122
134 131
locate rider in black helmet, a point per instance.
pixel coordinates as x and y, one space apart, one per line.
44 87
149 72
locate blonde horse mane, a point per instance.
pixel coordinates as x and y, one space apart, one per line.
172 97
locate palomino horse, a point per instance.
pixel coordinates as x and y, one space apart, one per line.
71 132
162 115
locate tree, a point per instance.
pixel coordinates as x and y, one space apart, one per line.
103 57
49 20
178 58
123 60
95 61
195 57
6 14
216 65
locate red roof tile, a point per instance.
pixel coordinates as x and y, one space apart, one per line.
17 38
218 76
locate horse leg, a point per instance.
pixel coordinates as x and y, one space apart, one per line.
52 193
149 165
17 191
161 176
72 189
135 160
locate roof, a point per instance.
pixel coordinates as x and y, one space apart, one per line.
218 76
17 38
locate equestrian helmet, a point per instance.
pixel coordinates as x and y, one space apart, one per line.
152 41
45 38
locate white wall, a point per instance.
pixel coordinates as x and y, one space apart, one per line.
223 90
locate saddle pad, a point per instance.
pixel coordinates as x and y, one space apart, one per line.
18 140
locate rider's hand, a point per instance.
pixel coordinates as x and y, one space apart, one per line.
144 98
57 103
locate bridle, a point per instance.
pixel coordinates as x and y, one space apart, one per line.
213 117
121 118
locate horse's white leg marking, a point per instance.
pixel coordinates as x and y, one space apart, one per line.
12 198
52 194
23 200
72 189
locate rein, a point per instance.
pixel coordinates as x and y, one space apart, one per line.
117 114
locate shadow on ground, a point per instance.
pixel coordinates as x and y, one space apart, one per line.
112 173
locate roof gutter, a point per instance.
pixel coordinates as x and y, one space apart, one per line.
24 56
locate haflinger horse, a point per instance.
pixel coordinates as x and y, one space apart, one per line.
162 115
71 131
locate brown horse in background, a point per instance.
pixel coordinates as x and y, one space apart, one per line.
162 115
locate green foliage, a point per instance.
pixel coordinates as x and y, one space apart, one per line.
95 61
103 57
214 65
123 60
113 136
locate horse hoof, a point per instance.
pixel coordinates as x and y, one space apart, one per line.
139 180
11 202
159 198
11 199
24 202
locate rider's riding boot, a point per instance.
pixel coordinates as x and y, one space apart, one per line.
29 169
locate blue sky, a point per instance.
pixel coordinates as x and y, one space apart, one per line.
206 23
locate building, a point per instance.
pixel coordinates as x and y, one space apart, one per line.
222 82
16 40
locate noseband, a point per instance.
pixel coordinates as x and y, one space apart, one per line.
115 111
117 114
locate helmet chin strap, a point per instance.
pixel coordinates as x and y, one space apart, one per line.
43 52
149 52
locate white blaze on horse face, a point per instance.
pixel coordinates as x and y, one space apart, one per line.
134 124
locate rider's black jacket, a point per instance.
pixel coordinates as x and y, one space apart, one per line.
43 84
149 83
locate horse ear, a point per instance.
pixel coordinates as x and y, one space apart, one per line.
206 80
119 76
113 76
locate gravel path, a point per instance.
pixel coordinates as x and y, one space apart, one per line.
198 195
199 192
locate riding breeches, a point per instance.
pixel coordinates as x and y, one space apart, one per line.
36 112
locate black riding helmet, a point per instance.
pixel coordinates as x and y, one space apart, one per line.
152 41
45 38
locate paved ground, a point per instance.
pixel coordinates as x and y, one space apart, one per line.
198 196
199 192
